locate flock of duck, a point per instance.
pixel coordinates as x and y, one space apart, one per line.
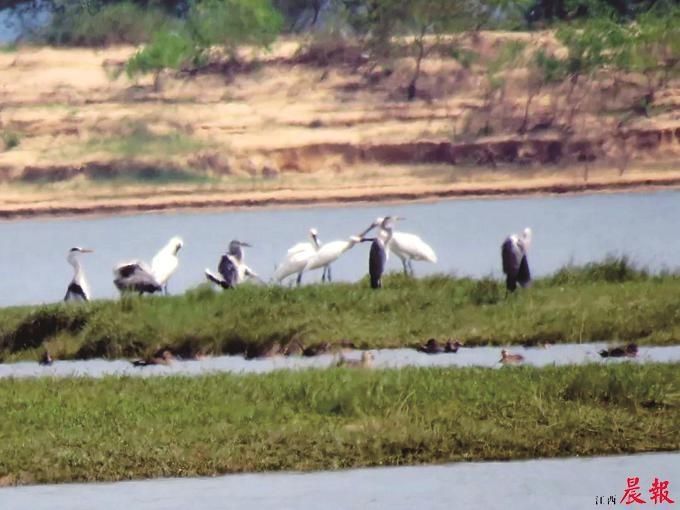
138 276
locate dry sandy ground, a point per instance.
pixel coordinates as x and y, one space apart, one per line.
285 132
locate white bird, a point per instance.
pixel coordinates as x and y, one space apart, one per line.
514 256
408 247
297 258
165 262
78 289
231 268
329 253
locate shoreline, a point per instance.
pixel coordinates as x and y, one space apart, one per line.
202 201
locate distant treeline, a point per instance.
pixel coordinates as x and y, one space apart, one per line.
97 22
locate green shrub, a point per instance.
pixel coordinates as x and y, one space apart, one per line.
10 139
117 23
224 23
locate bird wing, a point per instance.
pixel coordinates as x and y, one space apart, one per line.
524 276
511 255
126 269
300 247
328 253
75 292
412 246
228 269
135 276
293 263
215 279
163 265
376 260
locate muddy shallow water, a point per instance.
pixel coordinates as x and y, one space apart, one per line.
563 354
556 484
466 234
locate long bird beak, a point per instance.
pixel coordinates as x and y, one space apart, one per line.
370 227
86 250
248 245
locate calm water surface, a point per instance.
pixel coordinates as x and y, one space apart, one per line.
569 484
466 234
563 354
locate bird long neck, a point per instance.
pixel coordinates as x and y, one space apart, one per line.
386 234
236 252
77 268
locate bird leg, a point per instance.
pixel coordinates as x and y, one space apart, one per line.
328 275
410 266
405 264
299 278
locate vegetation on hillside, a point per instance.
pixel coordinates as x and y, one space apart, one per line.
611 301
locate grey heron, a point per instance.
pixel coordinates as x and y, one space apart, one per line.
231 268
297 258
165 262
514 255
78 289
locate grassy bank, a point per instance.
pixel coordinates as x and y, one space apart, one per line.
607 301
109 429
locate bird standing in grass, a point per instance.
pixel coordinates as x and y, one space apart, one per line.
297 258
514 256
408 247
377 257
78 289
135 276
165 262
329 253
232 269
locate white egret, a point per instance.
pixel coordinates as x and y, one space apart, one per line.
231 268
165 262
514 256
329 253
406 246
78 289
297 258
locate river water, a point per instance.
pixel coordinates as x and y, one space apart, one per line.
569 484
466 234
561 354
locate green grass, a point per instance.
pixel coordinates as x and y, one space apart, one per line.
61 430
610 301
140 141
10 139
